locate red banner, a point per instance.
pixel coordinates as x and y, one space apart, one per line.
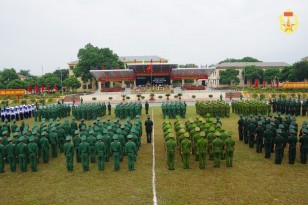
277 84
55 88
29 89
36 89
48 89
256 83
43 88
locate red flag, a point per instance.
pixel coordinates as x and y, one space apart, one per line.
43 88
277 84
55 88
29 89
103 67
149 68
250 83
264 83
36 89
256 83
48 89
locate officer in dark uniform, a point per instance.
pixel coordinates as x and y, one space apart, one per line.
148 128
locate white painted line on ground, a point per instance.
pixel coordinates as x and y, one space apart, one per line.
153 165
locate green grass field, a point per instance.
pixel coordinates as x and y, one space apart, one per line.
251 180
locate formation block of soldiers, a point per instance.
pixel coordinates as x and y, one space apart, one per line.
172 109
247 107
214 108
89 111
128 109
289 106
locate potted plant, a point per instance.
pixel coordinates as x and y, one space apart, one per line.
127 97
210 95
176 96
193 96
180 96
94 98
152 96
142 97
138 96
168 95
110 98
123 97
160 97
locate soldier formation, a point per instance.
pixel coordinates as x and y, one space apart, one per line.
291 107
172 109
51 112
274 133
18 112
128 109
96 141
89 111
214 108
247 107
199 137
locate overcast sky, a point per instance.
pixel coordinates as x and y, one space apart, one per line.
49 33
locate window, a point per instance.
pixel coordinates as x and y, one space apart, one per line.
71 67
84 87
90 86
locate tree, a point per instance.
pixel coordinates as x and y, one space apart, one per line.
32 81
229 77
49 79
72 83
188 65
287 74
300 71
91 57
253 73
16 84
245 59
8 75
25 73
65 73
271 74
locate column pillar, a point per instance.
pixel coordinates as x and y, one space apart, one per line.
134 83
99 83
183 82
111 84
195 82
123 84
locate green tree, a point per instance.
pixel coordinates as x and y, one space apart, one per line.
64 73
72 83
8 75
16 84
188 65
245 59
300 71
253 73
25 73
32 81
270 74
229 77
287 74
50 79
91 57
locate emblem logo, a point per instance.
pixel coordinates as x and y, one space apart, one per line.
288 22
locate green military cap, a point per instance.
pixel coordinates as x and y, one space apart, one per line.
171 135
17 129
241 115
4 132
259 123
31 139
271 114
191 121
268 126
58 119
10 139
25 132
83 137
207 125
44 128
68 138
34 132
99 137
292 126
169 130
181 131
202 134
278 131
272 124
122 126
230 133
109 128
208 115
118 131
292 131
222 128
129 136
132 130
197 129
89 124
76 132
217 117
115 137
91 132
108 119
5 121
98 118
252 121
73 118
186 134
96 128
305 131
82 120
58 123
22 138
105 131
53 129
218 125
44 133
103 121
217 134
279 113
212 129
137 116
51 120
83 127
281 126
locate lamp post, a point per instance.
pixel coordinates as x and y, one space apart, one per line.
61 82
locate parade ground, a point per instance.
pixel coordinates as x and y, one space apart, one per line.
251 180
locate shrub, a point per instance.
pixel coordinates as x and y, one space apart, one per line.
273 95
110 98
127 97
94 98
284 96
23 102
50 100
142 97
42 101
138 95
176 96
193 96
180 94
210 95
167 95
262 96
152 95
160 97
255 95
